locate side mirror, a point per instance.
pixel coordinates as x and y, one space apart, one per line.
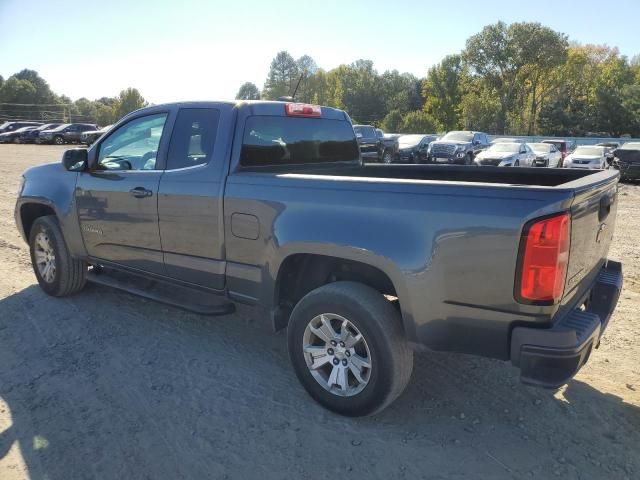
75 160
610 160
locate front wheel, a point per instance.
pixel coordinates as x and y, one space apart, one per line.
347 347
516 163
387 157
58 141
469 159
57 272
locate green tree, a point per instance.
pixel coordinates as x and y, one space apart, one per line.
499 55
15 90
392 122
128 101
43 93
419 122
248 91
443 90
283 73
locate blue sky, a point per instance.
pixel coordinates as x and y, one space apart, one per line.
176 50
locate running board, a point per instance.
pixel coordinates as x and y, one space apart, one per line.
179 296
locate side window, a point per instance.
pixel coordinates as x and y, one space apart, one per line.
523 149
134 145
193 137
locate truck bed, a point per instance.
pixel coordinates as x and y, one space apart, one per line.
544 177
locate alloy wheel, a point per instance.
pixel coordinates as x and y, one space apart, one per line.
45 257
337 355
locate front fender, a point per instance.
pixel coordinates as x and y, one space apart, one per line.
53 187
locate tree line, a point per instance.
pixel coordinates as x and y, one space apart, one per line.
27 96
517 79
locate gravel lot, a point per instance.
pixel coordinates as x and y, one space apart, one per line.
107 385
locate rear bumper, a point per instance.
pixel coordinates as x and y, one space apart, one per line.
551 357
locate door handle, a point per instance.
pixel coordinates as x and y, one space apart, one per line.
140 192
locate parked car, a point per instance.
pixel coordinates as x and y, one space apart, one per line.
587 156
361 263
31 136
564 146
11 126
91 136
547 155
65 133
413 148
507 154
627 160
13 136
390 145
458 147
371 145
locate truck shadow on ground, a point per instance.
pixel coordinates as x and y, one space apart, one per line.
104 385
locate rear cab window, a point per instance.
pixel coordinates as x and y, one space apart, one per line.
282 140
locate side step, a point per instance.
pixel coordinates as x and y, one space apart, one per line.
179 296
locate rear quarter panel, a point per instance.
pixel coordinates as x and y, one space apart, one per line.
450 249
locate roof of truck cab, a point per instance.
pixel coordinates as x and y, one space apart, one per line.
247 107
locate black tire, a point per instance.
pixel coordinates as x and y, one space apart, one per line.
71 274
58 140
516 163
380 325
387 157
469 159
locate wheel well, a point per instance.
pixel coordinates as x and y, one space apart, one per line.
301 273
30 212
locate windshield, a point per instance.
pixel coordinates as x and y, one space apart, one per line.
61 127
504 147
588 151
410 140
458 136
366 132
540 147
47 126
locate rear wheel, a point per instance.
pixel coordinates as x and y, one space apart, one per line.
58 141
57 272
347 347
387 157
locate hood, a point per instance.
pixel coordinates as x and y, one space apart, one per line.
407 148
450 142
583 157
500 155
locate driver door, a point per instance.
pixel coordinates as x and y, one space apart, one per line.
117 197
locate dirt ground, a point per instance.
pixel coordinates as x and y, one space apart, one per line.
106 385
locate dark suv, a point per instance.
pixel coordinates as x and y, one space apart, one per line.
11 126
65 133
31 136
457 147
371 145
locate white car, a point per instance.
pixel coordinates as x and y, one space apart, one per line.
547 155
587 156
506 154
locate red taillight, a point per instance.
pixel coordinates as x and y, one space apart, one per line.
302 110
544 257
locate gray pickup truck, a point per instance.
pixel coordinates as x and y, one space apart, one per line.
204 205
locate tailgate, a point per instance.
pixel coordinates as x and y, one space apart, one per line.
593 216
